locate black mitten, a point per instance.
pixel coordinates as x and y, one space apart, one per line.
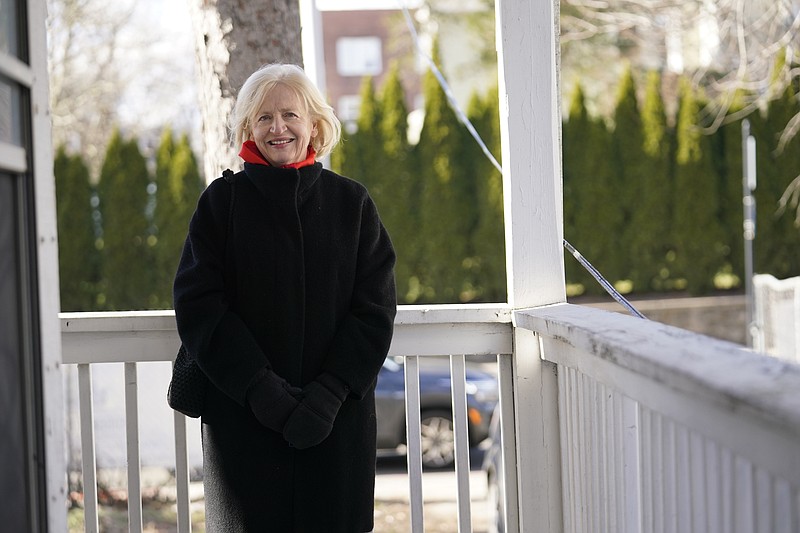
312 421
272 399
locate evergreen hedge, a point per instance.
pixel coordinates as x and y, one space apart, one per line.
78 257
653 201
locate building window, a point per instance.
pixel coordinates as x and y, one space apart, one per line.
348 107
358 56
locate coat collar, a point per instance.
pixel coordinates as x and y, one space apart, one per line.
284 184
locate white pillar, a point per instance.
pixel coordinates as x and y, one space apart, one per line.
531 158
46 278
531 150
311 38
313 51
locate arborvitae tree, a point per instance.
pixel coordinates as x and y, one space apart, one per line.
578 170
629 169
597 218
465 162
488 242
78 258
697 231
339 155
178 187
162 284
370 143
398 204
122 190
362 151
645 236
468 164
445 198
164 155
788 170
777 236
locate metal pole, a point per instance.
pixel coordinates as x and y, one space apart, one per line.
749 226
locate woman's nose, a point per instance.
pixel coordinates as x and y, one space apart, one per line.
278 125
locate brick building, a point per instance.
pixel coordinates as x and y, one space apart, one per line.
357 44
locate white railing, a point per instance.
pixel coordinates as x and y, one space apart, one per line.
776 327
663 430
610 423
149 336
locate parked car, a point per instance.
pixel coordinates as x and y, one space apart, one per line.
493 468
438 437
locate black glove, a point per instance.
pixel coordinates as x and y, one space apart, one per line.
272 399
312 421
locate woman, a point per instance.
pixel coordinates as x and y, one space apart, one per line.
285 296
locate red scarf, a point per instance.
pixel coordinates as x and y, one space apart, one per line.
251 154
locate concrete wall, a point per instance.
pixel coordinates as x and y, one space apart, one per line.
721 317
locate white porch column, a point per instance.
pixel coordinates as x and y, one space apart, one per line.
530 121
46 278
530 125
311 37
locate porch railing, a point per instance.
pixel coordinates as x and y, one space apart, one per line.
150 336
663 430
610 423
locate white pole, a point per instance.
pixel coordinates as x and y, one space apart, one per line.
749 225
527 43
311 41
313 51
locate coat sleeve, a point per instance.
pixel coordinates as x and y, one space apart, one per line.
215 336
363 338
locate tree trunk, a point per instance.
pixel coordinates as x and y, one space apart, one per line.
232 39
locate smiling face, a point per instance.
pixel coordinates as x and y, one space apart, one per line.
282 128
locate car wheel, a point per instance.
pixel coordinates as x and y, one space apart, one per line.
438 439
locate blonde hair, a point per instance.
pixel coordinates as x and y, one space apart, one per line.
266 78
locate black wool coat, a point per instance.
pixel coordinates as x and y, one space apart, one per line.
297 274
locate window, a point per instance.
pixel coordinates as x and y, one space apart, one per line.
359 56
9 35
348 107
10 116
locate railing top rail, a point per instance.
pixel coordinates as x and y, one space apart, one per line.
453 313
138 336
771 282
161 320
165 319
729 374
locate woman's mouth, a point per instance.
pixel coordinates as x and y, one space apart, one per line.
280 142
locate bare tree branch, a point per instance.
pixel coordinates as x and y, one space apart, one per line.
99 52
754 62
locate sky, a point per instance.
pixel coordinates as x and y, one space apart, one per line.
161 47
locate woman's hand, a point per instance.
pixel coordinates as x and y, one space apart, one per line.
312 421
272 399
